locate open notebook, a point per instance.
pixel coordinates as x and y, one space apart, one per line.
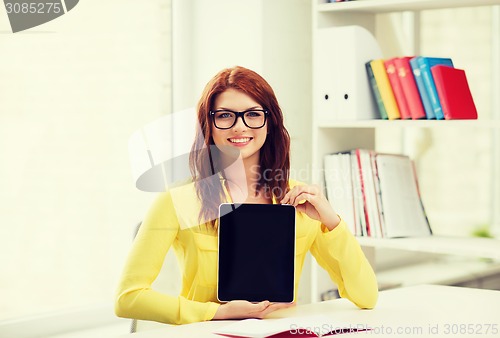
306 326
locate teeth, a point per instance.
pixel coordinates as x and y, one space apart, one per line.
239 140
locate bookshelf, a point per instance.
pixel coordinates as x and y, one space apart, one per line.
330 136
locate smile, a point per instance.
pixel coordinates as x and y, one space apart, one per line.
240 140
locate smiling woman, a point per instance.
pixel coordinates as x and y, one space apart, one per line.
266 146
227 165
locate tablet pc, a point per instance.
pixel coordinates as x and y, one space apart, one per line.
256 256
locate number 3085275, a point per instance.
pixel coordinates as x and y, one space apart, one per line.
33 8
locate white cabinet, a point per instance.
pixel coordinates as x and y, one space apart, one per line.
330 136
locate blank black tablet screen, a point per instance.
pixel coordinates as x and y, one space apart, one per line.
256 252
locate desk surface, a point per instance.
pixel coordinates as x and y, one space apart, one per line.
417 311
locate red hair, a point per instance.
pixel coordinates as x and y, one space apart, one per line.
204 157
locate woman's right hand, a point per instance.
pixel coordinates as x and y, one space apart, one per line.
241 309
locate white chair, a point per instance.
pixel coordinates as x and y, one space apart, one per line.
168 281
159 158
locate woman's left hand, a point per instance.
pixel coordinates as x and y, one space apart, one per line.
311 200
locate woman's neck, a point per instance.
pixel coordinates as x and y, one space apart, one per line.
242 178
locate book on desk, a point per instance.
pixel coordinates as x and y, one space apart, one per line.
305 326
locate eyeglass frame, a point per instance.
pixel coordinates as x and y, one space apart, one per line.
239 114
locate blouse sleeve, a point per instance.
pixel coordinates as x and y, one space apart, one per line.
339 253
135 298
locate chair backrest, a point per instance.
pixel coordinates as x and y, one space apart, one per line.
168 281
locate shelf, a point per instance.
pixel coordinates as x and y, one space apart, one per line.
411 123
469 247
387 6
445 271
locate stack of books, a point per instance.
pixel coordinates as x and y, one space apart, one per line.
376 194
420 87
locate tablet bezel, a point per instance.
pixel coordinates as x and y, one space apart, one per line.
250 210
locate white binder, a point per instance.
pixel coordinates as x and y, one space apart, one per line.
342 91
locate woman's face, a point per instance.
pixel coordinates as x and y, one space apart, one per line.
239 137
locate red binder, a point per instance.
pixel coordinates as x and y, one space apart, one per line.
399 95
454 93
410 90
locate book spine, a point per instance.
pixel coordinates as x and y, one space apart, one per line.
375 92
439 82
429 112
385 89
425 69
358 196
409 87
392 74
370 192
363 192
378 193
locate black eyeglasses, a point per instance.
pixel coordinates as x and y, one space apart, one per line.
252 118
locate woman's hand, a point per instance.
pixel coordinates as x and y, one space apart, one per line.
310 200
241 309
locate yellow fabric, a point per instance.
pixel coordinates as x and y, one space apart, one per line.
169 224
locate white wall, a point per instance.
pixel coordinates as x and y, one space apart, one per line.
72 92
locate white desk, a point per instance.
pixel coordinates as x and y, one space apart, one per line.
417 311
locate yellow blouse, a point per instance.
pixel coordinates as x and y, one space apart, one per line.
169 223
